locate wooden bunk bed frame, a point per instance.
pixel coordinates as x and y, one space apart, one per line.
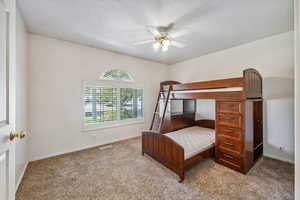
238 125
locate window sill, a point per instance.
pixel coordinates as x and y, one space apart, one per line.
107 126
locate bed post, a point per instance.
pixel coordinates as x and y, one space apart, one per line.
181 176
252 83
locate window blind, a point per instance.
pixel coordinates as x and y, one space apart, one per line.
108 104
101 104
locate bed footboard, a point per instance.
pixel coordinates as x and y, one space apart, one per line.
164 150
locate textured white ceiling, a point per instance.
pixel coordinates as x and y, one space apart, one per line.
212 25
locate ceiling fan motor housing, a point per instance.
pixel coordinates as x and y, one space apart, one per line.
162 38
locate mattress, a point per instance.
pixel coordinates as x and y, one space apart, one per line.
193 139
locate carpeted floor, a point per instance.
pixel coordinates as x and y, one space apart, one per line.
121 173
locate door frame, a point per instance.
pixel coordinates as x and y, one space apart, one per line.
297 97
9 124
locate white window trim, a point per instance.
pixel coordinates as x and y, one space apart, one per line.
113 124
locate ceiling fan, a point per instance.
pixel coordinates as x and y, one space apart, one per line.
163 38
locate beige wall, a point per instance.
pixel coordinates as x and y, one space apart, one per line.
56 72
273 57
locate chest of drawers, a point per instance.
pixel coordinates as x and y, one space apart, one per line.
238 133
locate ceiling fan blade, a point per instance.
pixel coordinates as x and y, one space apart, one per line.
178 33
144 42
153 30
177 44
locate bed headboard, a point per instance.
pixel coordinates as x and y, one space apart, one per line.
206 123
252 83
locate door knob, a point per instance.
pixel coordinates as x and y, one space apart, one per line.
20 135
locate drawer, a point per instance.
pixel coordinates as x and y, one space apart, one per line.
229 159
232 144
228 131
229 107
230 120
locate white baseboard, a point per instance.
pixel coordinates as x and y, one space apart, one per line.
21 177
279 158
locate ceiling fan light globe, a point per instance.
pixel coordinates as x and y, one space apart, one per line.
164 48
166 43
156 45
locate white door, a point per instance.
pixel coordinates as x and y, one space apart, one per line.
7 106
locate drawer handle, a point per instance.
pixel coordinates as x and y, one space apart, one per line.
229 105
228 118
228 156
228 131
229 144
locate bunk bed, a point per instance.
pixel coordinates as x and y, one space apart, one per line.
234 138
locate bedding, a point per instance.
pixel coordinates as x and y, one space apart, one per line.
193 139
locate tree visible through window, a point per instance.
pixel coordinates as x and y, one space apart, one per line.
117 75
131 103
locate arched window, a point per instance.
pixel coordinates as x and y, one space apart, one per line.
116 75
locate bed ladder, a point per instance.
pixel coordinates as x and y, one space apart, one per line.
160 111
